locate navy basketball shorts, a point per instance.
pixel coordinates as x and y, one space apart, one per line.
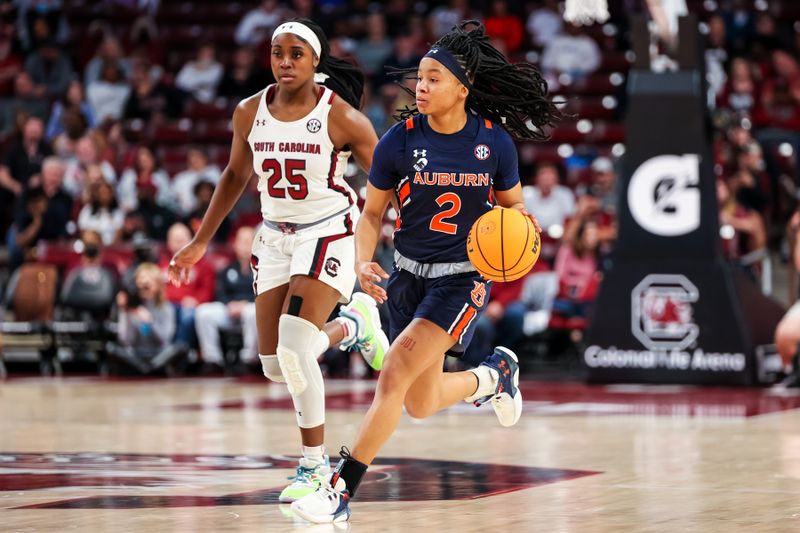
454 303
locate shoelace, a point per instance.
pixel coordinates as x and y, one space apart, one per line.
362 344
326 490
302 474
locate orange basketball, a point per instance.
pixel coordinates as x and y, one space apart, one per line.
503 245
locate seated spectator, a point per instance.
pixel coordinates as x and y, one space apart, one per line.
597 203
716 55
744 236
576 265
150 98
149 217
372 51
203 191
727 148
183 184
550 202
604 185
71 115
258 24
50 70
234 305
51 179
92 270
200 77
767 37
23 160
87 156
504 26
572 53
144 251
33 225
10 62
403 56
780 95
740 92
102 213
41 21
120 151
146 322
243 77
109 93
186 298
146 45
442 19
753 187
787 334
28 227
146 170
109 52
545 23
23 104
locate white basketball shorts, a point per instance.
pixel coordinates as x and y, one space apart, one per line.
325 252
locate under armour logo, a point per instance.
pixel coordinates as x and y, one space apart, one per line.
420 153
435 50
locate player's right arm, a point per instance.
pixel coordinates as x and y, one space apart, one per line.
232 183
380 191
368 232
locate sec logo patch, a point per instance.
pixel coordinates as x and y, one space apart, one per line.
482 152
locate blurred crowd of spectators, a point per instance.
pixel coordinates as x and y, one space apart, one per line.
98 155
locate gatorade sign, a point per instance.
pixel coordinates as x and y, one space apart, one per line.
664 194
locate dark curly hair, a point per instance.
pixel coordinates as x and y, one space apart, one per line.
514 95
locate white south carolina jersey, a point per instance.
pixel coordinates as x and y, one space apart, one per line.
300 172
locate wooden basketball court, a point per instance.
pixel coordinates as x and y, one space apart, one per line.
85 454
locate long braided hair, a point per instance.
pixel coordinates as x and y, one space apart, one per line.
344 79
514 95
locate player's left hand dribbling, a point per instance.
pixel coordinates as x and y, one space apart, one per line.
533 219
369 275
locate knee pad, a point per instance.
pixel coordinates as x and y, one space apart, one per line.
297 342
271 368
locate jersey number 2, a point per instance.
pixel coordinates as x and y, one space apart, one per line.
438 221
298 185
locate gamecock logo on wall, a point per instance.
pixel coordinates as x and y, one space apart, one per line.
662 316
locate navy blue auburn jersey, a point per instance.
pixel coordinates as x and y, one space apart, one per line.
443 182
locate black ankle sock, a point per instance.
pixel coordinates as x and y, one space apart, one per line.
350 470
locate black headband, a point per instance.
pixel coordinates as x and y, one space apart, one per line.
443 56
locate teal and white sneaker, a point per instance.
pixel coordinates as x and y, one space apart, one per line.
308 478
369 339
327 505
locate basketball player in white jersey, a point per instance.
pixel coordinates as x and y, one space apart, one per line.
297 135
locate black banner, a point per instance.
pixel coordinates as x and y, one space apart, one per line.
669 310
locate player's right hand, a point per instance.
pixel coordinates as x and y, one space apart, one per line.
369 275
183 261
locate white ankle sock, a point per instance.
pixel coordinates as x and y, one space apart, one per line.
315 454
349 327
487 382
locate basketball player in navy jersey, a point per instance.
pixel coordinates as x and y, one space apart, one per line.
297 136
446 167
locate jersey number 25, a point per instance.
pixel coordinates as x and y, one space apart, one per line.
298 185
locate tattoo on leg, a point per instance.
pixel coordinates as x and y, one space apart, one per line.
407 342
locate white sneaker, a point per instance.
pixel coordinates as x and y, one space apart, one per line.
326 505
308 478
507 398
